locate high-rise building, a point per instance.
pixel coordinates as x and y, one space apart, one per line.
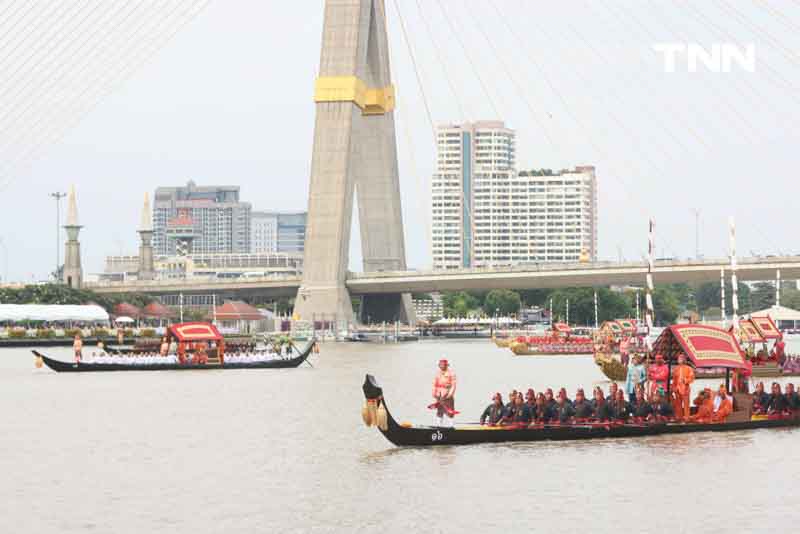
201 220
470 157
278 231
484 213
554 215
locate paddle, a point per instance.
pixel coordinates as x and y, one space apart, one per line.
449 411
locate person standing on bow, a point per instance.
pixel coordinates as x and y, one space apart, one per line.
444 390
77 348
682 378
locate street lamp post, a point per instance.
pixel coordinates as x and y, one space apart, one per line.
58 196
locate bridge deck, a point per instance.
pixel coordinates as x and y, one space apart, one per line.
518 277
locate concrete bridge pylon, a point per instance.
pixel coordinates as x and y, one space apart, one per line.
355 153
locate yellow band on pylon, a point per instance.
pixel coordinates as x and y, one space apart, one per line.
372 101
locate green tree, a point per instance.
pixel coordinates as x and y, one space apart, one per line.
667 307
535 297
610 305
502 301
762 296
459 304
708 296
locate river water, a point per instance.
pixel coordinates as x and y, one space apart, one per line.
286 451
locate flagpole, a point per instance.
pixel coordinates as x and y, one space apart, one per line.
649 313
595 310
722 298
734 281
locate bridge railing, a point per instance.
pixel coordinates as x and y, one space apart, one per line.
572 266
195 280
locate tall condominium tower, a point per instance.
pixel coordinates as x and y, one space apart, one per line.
484 213
471 157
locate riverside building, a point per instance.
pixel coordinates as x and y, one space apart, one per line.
273 231
194 219
485 213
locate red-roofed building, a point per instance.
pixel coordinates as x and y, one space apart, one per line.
239 316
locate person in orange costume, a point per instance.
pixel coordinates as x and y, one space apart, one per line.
723 406
705 407
444 390
682 378
657 374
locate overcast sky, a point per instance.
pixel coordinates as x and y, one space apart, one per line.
228 100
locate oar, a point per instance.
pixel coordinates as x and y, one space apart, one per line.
450 412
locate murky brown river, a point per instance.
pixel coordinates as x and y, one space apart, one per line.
286 451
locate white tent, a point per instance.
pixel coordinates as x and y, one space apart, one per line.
16 313
779 313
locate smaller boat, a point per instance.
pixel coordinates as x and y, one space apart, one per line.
561 340
200 346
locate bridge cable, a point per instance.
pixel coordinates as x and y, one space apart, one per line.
775 74
627 188
754 93
416 70
401 118
140 55
790 54
696 111
472 65
442 63
780 16
539 122
57 70
61 85
669 131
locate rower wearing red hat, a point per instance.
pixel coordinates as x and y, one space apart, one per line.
444 390
657 374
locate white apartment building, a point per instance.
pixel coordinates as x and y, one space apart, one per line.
484 213
470 156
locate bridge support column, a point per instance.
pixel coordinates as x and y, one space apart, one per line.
355 152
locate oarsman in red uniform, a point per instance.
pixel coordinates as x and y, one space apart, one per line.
657 374
682 378
444 390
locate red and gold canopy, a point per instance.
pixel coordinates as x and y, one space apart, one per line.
563 328
613 326
766 327
628 325
704 345
750 332
195 332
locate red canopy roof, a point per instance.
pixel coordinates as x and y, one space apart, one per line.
614 326
750 332
123 309
195 332
705 345
236 310
562 327
628 325
766 327
157 310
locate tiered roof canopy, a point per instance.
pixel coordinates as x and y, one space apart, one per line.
704 345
